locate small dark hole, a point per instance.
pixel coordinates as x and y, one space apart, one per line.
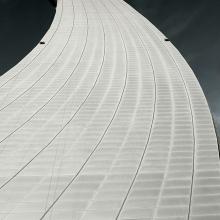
166 39
42 42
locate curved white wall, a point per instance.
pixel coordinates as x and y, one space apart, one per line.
106 121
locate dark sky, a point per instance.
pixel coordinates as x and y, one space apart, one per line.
193 26
22 24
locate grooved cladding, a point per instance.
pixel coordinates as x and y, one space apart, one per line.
106 121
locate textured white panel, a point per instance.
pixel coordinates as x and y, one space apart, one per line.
106 121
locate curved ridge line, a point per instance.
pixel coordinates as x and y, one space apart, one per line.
151 125
64 190
192 120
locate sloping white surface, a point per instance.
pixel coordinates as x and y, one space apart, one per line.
106 121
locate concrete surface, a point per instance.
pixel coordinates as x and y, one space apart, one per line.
106 121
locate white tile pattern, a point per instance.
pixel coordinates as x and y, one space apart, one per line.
106 121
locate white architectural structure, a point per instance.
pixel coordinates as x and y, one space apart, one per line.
106 121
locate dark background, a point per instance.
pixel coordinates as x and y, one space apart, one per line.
22 24
193 26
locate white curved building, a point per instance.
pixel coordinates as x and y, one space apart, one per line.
106 121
